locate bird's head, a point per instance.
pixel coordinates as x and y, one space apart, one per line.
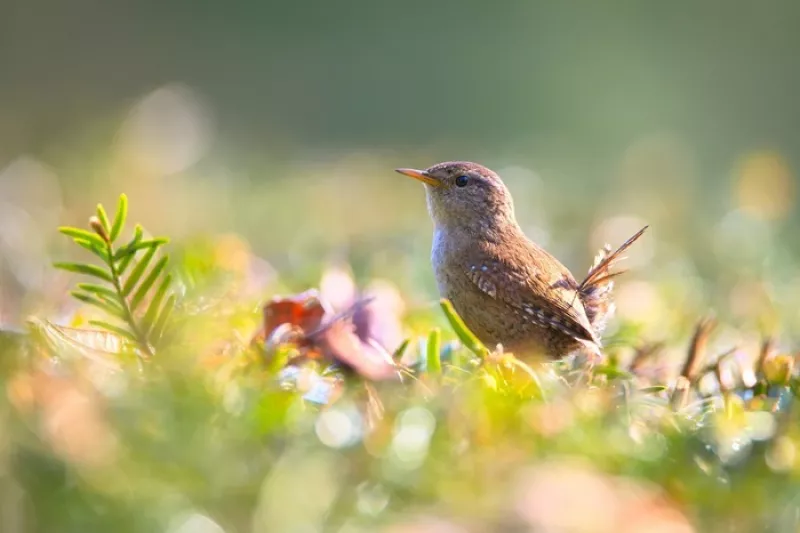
466 195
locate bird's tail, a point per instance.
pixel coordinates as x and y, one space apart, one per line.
595 289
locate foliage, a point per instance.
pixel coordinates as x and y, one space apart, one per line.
137 299
288 419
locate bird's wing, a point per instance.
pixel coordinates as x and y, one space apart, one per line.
547 297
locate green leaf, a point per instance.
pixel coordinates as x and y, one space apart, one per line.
148 282
101 214
119 218
133 247
138 270
433 352
655 389
462 331
99 252
398 353
82 234
122 332
158 329
89 270
109 307
155 304
126 259
100 290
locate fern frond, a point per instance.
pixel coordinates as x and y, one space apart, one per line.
121 299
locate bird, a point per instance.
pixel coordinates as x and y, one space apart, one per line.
508 290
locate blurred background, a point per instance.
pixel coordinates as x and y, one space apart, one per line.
275 126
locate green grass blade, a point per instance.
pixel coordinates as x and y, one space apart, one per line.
434 349
148 282
119 218
155 304
138 270
122 332
464 334
106 305
88 270
158 329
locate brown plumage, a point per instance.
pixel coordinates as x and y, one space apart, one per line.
509 290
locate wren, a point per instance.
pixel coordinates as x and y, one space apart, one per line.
507 289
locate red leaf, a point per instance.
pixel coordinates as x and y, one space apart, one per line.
304 310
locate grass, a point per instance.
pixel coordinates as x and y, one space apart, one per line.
306 427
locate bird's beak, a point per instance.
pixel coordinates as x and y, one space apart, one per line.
420 175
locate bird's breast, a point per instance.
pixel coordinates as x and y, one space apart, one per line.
448 258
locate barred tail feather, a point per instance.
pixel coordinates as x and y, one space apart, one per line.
595 289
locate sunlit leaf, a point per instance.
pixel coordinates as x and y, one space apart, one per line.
122 332
462 331
103 217
137 271
433 351
100 252
82 234
126 258
133 247
155 304
89 270
148 282
158 329
108 306
119 218
100 290
97 345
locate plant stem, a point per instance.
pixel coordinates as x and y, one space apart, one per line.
143 343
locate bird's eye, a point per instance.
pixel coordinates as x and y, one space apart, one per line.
461 181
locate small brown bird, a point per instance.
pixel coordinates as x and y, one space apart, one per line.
507 289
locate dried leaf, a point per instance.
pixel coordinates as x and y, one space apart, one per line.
305 310
94 344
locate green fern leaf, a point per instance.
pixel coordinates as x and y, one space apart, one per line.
101 214
158 329
138 270
89 270
125 259
148 282
122 332
100 291
155 304
102 253
109 307
133 247
82 234
119 218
